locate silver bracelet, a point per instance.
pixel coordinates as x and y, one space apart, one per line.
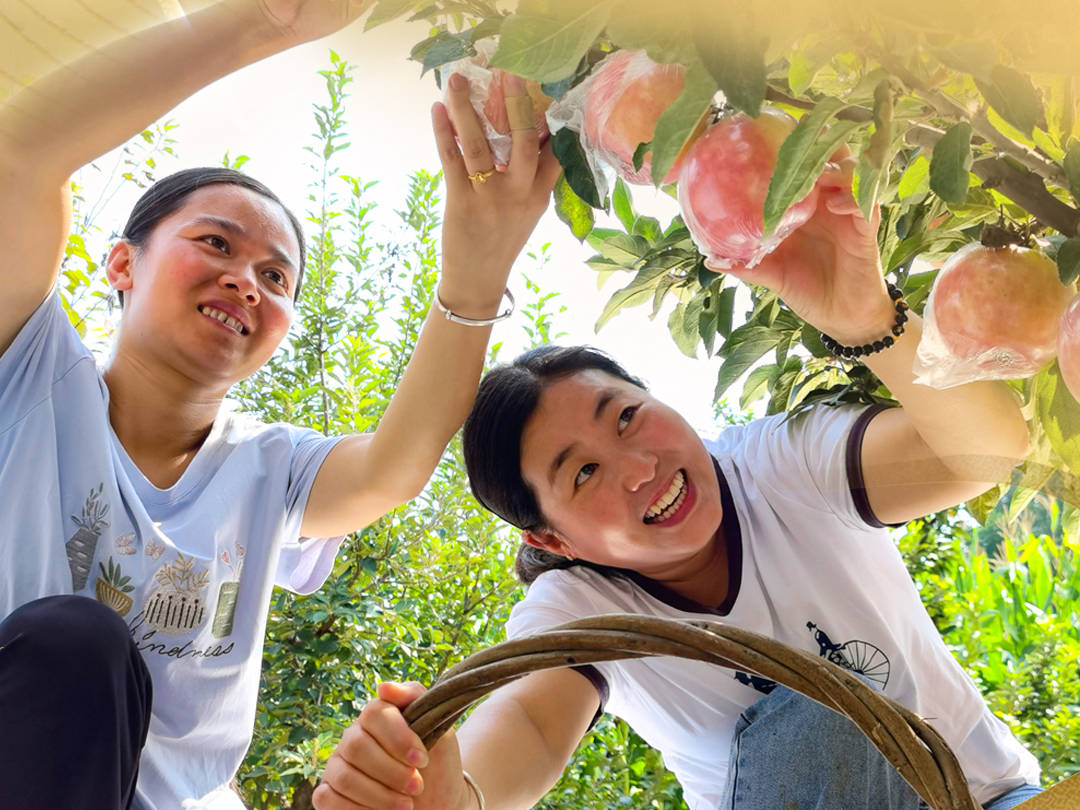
475 788
453 316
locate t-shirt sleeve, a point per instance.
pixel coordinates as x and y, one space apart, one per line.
552 600
813 459
305 563
45 349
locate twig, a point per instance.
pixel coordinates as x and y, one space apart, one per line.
1023 186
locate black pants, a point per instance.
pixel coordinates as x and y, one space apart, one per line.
75 699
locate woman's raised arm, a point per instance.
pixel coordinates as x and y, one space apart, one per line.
82 110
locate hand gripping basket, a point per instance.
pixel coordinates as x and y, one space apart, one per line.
908 742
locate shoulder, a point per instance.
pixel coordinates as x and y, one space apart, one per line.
821 423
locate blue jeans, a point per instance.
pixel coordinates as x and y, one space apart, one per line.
790 751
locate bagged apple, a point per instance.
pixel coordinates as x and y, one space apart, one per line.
723 183
993 314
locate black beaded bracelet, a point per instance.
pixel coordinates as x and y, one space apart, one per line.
850 352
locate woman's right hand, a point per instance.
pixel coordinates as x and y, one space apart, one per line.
380 764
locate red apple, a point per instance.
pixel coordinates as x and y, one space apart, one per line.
995 311
627 94
723 183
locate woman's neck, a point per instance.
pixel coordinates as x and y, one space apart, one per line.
159 417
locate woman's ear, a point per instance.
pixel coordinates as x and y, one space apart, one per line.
547 541
118 267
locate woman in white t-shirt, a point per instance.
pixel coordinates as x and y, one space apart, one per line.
777 526
144 525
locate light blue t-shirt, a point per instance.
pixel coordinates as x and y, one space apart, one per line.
189 568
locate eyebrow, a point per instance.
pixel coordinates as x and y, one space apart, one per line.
605 398
232 227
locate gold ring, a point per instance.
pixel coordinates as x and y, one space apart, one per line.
481 177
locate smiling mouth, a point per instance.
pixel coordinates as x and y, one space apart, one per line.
224 318
669 503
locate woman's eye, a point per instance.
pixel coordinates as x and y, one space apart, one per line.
217 242
583 474
277 277
626 415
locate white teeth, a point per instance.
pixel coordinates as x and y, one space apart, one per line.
663 507
228 320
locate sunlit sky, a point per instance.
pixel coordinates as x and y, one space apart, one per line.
264 112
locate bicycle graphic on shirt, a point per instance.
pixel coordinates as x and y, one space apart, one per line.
860 657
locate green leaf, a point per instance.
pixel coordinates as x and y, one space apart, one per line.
1014 97
547 48
568 150
572 210
677 122
636 292
865 184
624 248
951 163
387 10
733 51
661 30
448 48
1068 260
1071 164
745 347
640 152
1058 416
715 316
622 205
801 158
915 180
683 325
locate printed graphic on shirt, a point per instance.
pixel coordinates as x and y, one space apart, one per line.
125 543
152 549
81 546
178 607
112 587
227 593
860 657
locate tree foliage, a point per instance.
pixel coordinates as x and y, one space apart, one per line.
958 116
430 582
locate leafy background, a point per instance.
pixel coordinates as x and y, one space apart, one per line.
430 582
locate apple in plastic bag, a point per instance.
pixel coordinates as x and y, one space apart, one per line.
628 92
723 183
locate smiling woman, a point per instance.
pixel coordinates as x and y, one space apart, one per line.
777 525
145 525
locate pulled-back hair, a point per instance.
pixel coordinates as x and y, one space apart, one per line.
169 193
507 397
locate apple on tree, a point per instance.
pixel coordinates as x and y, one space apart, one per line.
627 94
993 314
723 184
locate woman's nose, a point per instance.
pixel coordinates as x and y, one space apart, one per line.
243 282
638 468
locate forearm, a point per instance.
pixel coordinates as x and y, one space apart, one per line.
436 390
94 104
976 429
508 757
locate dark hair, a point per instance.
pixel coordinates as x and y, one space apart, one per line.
169 193
507 397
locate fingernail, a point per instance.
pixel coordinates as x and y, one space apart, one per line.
514 84
403 804
417 758
457 82
414 785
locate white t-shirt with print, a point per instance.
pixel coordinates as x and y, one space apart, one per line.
807 570
189 568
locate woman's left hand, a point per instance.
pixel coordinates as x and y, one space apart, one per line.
489 214
829 270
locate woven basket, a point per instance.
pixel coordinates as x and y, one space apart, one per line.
912 746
